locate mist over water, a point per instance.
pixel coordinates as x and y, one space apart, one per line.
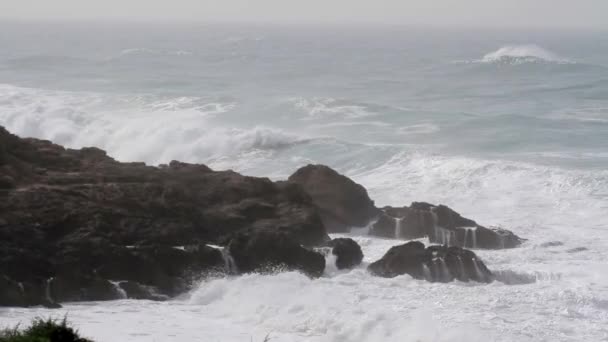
509 128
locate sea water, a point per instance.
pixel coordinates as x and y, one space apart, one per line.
509 128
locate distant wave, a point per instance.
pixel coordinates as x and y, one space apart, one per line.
148 51
318 107
424 128
522 54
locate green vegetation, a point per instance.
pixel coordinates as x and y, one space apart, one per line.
49 330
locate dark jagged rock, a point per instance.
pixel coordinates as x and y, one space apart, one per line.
434 263
81 287
14 293
441 225
66 212
403 223
342 203
269 250
169 269
348 252
79 225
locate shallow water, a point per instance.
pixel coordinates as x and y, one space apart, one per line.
508 128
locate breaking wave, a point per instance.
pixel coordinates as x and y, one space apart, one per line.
327 106
134 127
147 51
523 54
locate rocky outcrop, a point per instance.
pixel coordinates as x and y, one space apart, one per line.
434 263
347 251
342 203
83 222
269 250
78 225
441 225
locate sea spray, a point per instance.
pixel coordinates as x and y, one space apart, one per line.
230 266
461 269
470 237
444 272
398 227
122 294
478 273
48 291
426 273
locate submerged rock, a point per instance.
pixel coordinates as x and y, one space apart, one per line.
441 225
342 203
348 252
433 263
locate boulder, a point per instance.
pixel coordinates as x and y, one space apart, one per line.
342 203
270 250
434 263
441 225
66 211
347 251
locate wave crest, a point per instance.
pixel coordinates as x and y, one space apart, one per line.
141 128
318 107
153 52
523 54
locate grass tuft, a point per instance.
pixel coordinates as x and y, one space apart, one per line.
49 330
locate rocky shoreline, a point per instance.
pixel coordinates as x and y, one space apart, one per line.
77 225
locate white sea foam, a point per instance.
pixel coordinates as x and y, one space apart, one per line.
393 117
521 54
355 306
327 106
424 128
149 51
135 127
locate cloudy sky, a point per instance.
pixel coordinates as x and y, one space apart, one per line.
463 13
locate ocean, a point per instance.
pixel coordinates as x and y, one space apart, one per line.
507 127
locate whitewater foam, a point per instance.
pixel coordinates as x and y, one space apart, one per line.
522 54
352 305
149 51
134 128
327 106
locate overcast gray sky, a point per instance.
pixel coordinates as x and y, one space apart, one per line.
501 13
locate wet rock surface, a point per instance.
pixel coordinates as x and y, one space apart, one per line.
433 263
347 251
441 225
83 219
342 203
269 250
